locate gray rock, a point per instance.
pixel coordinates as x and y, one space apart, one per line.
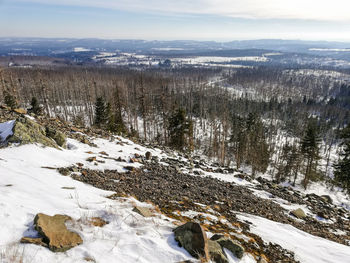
225 242
192 237
216 252
57 136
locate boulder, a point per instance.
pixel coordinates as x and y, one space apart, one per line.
193 238
57 136
299 213
54 232
216 252
26 131
144 211
225 242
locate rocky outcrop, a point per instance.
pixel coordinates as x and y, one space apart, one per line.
26 131
53 233
192 237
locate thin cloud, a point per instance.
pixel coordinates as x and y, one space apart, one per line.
322 10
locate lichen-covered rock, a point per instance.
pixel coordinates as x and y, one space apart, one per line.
225 242
216 252
26 131
299 213
57 136
54 232
192 237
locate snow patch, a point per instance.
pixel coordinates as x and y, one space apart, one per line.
6 130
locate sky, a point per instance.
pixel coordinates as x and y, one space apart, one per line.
220 20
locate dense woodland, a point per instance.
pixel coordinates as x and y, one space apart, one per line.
284 122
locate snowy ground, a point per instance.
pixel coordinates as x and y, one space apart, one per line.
27 188
307 248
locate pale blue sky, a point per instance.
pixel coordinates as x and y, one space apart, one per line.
221 20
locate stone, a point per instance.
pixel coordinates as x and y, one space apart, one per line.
91 159
144 211
192 237
54 232
148 156
327 199
98 221
64 171
57 136
36 241
225 242
322 214
26 131
299 213
216 253
20 111
129 168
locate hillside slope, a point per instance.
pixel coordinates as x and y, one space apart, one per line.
37 179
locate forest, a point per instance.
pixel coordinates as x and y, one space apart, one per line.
289 123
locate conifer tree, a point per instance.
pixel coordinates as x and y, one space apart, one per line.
180 131
342 168
100 112
310 150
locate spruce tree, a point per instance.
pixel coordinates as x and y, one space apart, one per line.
100 112
310 150
342 168
180 131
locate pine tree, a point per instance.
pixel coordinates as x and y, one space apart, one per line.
100 112
310 150
342 168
